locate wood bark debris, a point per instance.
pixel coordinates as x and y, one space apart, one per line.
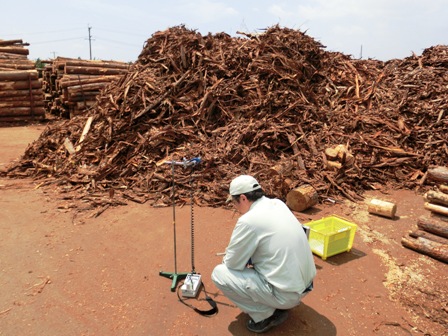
244 105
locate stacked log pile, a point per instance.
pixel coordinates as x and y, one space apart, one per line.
246 105
72 85
21 95
431 237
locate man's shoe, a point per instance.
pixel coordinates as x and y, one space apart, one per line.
275 319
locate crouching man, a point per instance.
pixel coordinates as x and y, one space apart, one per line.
268 266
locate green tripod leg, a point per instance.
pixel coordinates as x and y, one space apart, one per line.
176 277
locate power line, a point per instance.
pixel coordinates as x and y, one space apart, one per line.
121 32
44 32
118 42
61 40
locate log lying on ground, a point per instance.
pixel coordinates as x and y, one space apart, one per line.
438 174
440 209
382 208
433 226
443 188
428 235
302 198
425 246
436 197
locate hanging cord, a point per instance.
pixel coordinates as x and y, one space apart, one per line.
211 302
173 190
192 220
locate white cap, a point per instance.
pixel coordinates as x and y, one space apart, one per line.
241 185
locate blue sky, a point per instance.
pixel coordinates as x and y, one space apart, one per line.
379 29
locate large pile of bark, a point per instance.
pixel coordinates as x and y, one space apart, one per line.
250 104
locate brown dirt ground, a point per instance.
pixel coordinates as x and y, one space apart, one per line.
63 273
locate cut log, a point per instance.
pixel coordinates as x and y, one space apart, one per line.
382 208
428 235
18 75
440 209
38 96
438 174
93 70
12 42
20 85
95 63
13 66
98 79
425 246
302 198
433 226
14 50
21 111
443 188
436 197
22 103
5 94
86 87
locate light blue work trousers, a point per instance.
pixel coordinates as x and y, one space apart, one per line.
250 291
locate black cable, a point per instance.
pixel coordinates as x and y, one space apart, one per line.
212 303
192 221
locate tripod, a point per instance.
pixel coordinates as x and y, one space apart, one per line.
175 276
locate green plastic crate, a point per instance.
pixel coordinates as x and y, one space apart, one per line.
331 235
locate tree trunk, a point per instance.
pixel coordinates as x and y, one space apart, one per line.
20 85
433 226
302 198
98 79
99 64
21 111
18 75
430 248
93 70
428 235
438 174
5 94
22 103
436 197
382 208
436 208
443 188
14 50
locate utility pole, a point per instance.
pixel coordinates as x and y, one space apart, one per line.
360 54
90 42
